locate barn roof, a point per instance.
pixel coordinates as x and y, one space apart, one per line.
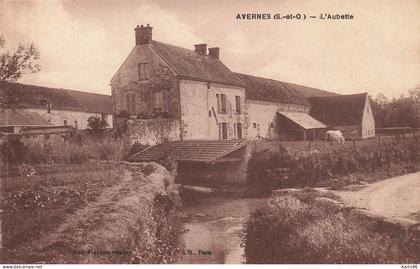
10 118
31 96
194 150
189 64
264 89
312 92
340 109
303 120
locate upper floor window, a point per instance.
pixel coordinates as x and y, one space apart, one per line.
65 122
238 104
130 103
157 101
142 71
221 103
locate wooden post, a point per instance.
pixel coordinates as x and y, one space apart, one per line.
309 146
379 139
354 143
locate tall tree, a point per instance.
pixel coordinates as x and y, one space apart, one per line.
22 61
398 112
14 65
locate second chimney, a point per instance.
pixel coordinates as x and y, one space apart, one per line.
143 35
201 49
214 52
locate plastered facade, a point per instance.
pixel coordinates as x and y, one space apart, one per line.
261 117
200 115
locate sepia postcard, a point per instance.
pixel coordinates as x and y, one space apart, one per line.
239 132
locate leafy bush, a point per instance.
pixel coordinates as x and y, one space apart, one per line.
96 125
274 169
12 150
59 152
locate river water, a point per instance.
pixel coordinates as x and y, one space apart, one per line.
213 229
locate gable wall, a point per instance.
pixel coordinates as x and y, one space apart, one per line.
126 81
368 121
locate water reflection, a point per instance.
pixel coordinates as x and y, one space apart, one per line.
214 229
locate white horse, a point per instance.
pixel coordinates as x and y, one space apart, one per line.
335 135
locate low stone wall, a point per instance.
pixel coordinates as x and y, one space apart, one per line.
153 131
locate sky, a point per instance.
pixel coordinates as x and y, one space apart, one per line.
83 43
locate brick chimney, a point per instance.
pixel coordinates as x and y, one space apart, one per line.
214 52
143 35
201 49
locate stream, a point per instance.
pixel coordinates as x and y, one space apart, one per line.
213 229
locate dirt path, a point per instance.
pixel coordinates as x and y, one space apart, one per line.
397 197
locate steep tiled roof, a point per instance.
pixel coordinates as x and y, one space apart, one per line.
9 117
303 120
193 150
311 92
264 89
92 102
339 110
189 64
31 96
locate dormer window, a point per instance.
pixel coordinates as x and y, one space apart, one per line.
142 71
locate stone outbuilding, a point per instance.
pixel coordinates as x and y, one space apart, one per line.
59 107
352 114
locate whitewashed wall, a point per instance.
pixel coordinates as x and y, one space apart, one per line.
57 117
262 115
197 104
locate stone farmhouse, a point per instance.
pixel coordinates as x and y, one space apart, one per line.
199 98
36 106
208 113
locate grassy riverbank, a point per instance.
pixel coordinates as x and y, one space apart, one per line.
95 213
312 227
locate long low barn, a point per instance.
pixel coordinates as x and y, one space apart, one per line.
59 107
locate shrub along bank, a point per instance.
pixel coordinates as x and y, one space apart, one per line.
270 169
307 228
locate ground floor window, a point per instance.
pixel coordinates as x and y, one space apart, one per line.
238 130
130 103
223 130
157 101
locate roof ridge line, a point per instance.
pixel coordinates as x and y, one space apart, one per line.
52 88
176 46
